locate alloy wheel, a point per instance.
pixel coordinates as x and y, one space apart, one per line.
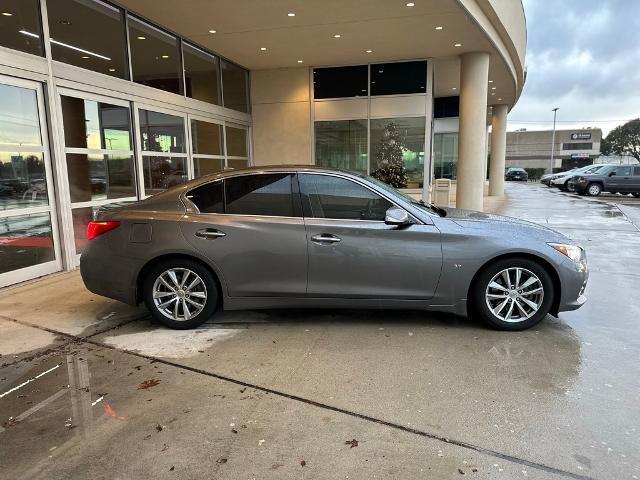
179 294
514 294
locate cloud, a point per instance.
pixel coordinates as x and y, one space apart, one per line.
582 56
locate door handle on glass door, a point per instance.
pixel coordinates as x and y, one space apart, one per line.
325 238
210 233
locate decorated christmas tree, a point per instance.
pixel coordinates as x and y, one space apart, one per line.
389 165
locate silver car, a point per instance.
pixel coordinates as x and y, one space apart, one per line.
273 237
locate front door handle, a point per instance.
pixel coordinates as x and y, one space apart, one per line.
210 233
325 238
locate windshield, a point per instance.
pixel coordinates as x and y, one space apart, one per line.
395 192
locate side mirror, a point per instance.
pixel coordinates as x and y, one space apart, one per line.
612 174
397 216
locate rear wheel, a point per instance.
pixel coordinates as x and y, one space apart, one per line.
180 293
594 189
513 294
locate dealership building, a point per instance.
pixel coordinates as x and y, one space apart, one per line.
106 103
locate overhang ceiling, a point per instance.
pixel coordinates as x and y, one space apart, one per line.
390 29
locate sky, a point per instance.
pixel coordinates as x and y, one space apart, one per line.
583 56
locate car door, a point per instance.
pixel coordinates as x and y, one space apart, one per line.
635 185
354 254
619 179
251 228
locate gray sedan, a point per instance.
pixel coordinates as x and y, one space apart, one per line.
276 237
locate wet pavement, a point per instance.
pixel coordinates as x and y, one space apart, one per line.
89 388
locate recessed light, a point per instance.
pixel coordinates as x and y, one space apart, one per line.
112 69
490 81
411 4
337 35
264 49
499 99
291 14
85 57
453 88
299 61
7 14
369 51
212 31
439 28
142 38
492 93
494 88
165 56
457 44
65 22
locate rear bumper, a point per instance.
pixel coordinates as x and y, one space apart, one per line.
108 275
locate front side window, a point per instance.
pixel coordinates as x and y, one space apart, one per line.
263 194
623 171
327 196
209 198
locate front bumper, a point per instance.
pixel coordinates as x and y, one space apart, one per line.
573 282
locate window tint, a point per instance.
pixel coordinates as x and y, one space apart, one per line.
161 132
206 138
398 78
623 171
325 196
201 74
446 107
208 198
338 82
20 26
235 87
636 170
264 194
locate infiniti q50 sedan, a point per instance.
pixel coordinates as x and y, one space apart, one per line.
274 237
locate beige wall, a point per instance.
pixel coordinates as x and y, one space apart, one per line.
281 111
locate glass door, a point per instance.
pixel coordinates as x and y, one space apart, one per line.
29 245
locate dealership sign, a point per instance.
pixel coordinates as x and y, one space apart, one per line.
581 136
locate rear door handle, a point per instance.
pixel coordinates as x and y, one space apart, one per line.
210 233
325 238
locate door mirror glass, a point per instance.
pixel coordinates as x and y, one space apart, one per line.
397 216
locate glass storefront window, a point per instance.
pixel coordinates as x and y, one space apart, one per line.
160 132
100 177
155 57
236 142
23 182
19 119
237 164
206 138
342 144
201 72
235 87
445 155
398 78
163 172
411 132
95 125
340 82
74 27
25 240
20 26
207 166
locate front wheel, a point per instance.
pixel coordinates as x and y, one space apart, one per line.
571 187
513 294
180 293
594 189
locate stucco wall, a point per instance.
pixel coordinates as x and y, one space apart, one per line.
281 111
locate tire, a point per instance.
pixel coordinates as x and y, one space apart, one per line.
485 300
203 298
594 189
570 187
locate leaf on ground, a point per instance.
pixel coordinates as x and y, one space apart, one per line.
353 443
152 382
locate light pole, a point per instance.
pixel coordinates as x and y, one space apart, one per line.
553 136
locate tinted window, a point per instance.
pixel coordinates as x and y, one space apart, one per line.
325 196
208 198
636 170
201 74
235 87
338 82
446 107
236 142
264 194
161 132
155 57
74 25
398 78
20 29
623 171
206 138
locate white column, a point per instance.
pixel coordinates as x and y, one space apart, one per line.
498 150
474 76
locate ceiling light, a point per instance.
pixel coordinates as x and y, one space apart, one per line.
142 38
291 14
337 35
7 14
411 4
212 31
165 56
112 69
453 88
492 93
499 99
62 44
457 44
369 51
490 81
299 61
439 28
493 88
85 57
264 49
29 34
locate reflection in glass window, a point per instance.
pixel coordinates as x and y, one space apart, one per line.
20 26
339 82
95 125
161 132
100 177
19 120
23 182
398 78
411 131
207 166
342 144
237 164
445 155
264 194
155 57
161 173
235 87
206 138
25 240
74 27
237 142
325 196
201 74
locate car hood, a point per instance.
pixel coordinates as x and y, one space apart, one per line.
467 218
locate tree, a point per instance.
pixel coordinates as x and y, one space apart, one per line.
623 140
389 164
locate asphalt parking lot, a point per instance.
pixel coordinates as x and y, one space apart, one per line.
89 388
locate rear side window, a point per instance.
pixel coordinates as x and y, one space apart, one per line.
209 198
326 196
636 170
262 194
623 171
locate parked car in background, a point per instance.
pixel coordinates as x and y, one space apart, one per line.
623 179
273 237
562 180
549 177
516 173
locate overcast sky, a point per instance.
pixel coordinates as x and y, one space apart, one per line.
584 57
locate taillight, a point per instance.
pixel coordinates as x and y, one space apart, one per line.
95 229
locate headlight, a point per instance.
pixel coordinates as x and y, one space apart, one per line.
574 252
